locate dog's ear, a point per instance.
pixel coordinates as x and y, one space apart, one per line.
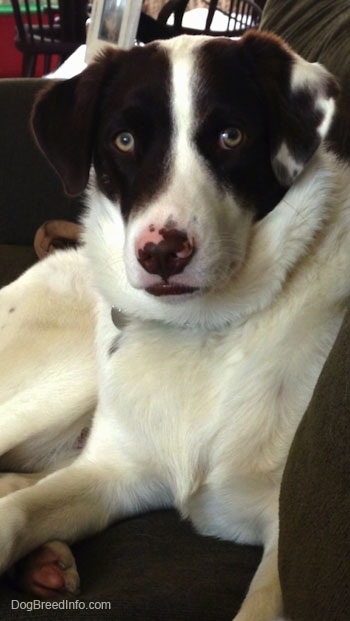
301 99
63 121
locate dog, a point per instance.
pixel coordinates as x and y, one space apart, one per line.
214 274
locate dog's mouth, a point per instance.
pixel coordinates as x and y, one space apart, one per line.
163 288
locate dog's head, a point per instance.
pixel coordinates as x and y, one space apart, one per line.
193 142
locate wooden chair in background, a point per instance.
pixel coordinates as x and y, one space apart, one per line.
237 16
53 29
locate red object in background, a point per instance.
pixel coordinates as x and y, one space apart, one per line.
10 58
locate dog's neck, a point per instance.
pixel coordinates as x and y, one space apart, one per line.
120 319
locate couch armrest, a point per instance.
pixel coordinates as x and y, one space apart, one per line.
314 547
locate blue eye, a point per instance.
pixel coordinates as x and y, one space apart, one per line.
231 137
125 142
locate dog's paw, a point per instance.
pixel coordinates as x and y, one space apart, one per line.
49 571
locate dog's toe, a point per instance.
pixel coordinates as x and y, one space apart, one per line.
49 571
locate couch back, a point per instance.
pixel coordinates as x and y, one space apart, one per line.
30 191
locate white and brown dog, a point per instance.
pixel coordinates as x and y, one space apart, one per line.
217 231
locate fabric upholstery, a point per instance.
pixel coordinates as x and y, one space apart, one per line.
315 499
314 554
152 568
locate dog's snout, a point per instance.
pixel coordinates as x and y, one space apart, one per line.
165 252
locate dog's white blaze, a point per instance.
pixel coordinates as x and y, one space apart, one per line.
178 201
182 111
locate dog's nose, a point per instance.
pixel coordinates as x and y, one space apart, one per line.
165 252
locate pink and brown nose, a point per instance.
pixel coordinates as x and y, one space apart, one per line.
165 252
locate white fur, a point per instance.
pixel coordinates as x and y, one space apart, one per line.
198 407
46 325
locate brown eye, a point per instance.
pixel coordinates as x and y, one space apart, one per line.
230 138
125 142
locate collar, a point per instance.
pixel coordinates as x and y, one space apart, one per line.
119 318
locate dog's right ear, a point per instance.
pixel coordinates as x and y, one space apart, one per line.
63 122
301 98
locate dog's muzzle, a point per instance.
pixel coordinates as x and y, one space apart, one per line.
165 252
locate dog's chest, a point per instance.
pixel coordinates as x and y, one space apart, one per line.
198 400
210 416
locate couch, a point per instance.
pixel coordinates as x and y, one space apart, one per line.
314 546
155 567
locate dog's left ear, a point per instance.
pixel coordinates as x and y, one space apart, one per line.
301 98
63 122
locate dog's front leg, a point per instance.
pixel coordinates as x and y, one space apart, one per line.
263 601
71 503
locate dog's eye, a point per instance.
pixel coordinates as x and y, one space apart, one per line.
230 138
125 142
